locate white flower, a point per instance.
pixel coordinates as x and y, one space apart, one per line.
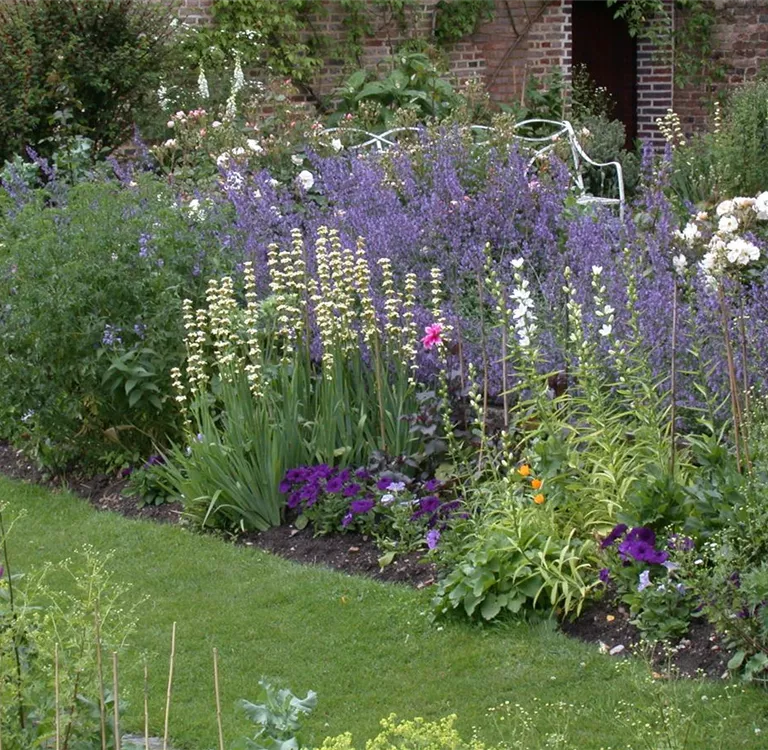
254 146
726 207
742 202
170 123
170 143
162 96
297 159
680 263
605 329
337 145
702 216
690 234
387 499
396 486
238 151
215 124
202 84
585 132
273 182
306 179
728 224
741 252
709 260
222 160
518 263
760 206
597 270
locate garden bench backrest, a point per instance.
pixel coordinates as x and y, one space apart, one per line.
540 145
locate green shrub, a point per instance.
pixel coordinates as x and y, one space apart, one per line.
77 67
92 283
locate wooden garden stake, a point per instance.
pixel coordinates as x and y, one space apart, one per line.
100 670
116 699
170 686
56 694
146 707
218 696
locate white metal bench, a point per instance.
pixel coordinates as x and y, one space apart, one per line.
539 145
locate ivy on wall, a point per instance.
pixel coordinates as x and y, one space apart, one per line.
455 19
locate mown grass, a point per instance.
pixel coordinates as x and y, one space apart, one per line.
367 648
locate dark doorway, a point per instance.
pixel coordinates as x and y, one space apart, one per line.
603 45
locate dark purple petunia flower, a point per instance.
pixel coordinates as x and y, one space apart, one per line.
358 507
429 504
605 575
351 490
294 499
615 534
363 475
285 486
346 520
334 485
383 484
432 485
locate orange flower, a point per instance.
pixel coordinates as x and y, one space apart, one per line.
524 470
538 499
536 484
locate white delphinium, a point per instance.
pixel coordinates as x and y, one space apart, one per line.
436 285
728 224
253 365
393 303
603 311
523 316
410 334
202 84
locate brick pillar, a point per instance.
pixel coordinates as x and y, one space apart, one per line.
655 85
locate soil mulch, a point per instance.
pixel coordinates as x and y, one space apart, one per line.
700 653
351 553
603 622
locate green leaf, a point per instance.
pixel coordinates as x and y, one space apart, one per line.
386 559
301 522
490 607
736 660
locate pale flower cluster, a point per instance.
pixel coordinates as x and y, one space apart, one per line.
523 315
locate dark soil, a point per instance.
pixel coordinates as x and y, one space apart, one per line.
606 623
603 623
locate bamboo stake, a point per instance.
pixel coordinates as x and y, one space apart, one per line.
100 671
673 386
56 694
116 700
146 707
170 686
218 696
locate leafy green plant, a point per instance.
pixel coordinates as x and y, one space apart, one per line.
455 19
78 68
278 718
413 84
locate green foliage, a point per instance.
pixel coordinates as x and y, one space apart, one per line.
93 279
455 19
278 718
413 85
511 561
77 68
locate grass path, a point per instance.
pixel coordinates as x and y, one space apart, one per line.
367 648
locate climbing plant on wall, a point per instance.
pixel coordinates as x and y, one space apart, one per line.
455 19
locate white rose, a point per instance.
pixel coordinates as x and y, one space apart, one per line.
306 179
254 145
170 123
170 143
726 207
337 145
760 206
728 224
690 233
742 202
222 160
238 151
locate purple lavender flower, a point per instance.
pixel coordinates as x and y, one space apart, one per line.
110 337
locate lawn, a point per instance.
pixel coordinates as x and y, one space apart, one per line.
367 648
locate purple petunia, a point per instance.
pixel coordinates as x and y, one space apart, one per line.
351 490
432 485
358 507
432 538
615 534
346 520
334 485
383 484
429 504
605 575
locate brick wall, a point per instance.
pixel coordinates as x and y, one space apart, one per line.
741 44
655 93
